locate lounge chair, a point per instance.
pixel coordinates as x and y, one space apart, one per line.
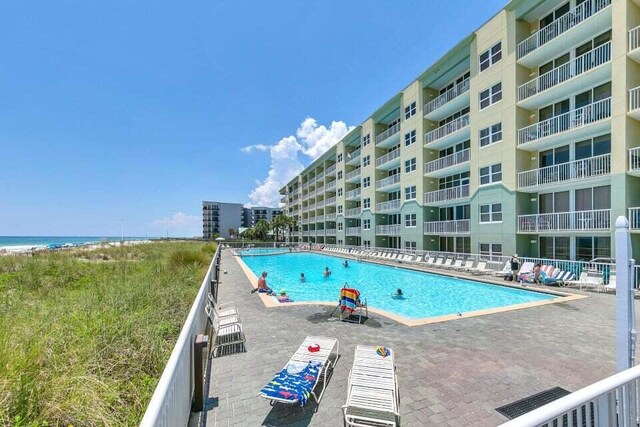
506 270
594 280
373 398
438 262
481 268
468 265
447 263
576 282
456 265
226 334
525 269
309 365
611 286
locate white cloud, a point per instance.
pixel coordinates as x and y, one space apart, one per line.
180 224
312 140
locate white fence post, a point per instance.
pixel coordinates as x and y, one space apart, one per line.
625 313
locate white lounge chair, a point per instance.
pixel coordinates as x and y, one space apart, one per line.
447 263
468 265
305 370
593 281
456 265
611 286
506 270
481 268
373 398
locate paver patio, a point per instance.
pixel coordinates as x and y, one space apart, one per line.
452 373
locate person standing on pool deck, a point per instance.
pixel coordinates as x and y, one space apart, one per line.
327 272
515 266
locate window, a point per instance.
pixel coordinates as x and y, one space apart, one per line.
409 138
490 250
409 110
366 140
452 181
410 246
490 56
491 174
366 224
339 157
491 95
340 226
340 242
410 220
366 244
491 135
340 209
490 213
588 248
366 182
410 165
366 203
339 174
339 192
410 193
366 161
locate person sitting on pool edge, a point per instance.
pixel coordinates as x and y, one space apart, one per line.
327 272
345 263
302 278
262 285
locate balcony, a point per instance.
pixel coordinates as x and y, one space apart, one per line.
352 194
320 176
353 176
571 29
448 165
305 220
579 123
353 231
305 185
634 161
320 204
283 199
587 70
389 137
460 226
389 183
451 133
390 206
312 206
352 213
448 103
330 217
447 195
331 185
331 170
330 201
389 161
353 158
634 103
634 44
577 221
565 175
330 232
388 230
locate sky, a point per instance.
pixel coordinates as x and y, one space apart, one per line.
135 112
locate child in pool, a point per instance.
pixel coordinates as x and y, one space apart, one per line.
283 297
302 278
398 294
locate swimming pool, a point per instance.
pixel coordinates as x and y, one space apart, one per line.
425 295
263 251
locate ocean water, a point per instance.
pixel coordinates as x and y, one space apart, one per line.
425 294
10 242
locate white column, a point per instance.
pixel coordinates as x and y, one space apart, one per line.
625 313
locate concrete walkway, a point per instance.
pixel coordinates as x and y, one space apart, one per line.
453 373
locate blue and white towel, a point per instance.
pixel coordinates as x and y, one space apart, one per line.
294 383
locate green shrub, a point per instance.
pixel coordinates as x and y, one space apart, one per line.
209 249
187 258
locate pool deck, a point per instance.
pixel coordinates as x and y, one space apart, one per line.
452 373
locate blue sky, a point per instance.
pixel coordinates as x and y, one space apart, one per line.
135 110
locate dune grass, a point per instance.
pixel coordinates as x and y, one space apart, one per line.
84 336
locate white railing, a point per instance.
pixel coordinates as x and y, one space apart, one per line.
320 176
449 95
320 204
561 25
330 185
352 212
388 133
634 218
391 205
576 67
353 174
305 220
330 169
447 129
388 230
447 194
353 231
459 226
312 206
170 404
390 180
330 232
592 220
608 403
574 119
305 185
634 98
330 201
447 161
634 39
577 169
330 217
392 155
320 189
634 159
352 194
354 154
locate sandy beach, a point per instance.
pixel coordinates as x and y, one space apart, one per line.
27 249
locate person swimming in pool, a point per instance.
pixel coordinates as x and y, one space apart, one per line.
327 272
345 263
302 278
398 295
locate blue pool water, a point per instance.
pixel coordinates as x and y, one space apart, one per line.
425 295
263 251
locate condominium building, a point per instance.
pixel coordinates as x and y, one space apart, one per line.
218 218
524 137
257 213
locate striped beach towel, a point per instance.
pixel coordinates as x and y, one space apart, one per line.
348 299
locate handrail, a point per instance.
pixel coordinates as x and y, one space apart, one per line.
447 129
446 194
447 161
634 98
392 155
596 219
566 71
390 180
634 38
563 172
449 95
388 206
388 133
170 404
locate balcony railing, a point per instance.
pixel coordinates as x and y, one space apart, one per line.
319 176
447 161
634 39
390 180
354 173
320 189
449 95
330 169
354 154
577 169
330 232
447 129
392 155
353 231
352 212
459 226
352 194
330 201
593 220
330 217
561 25
389 230
447 194
330 186
578 118
390 206
634 99
576 67
388 133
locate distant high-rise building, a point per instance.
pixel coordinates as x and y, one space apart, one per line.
219 217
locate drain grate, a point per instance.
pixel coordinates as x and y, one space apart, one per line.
528 404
